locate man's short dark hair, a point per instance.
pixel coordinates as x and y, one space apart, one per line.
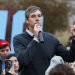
31 9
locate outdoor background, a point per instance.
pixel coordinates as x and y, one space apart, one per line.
58 15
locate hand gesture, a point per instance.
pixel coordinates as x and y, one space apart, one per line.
37 29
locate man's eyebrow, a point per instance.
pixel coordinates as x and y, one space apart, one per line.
35 14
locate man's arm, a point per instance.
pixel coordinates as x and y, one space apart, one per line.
67 55
24 52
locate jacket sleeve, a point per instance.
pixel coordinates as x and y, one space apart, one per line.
7 73
24 52
72 48
67 55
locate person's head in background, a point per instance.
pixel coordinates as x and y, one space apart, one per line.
14 60
33 16
72 28
53 62
61 69
4 49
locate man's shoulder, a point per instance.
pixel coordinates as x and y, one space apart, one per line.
48 34
20 35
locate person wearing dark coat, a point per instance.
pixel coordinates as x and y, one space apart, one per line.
33 54
4 52
0 67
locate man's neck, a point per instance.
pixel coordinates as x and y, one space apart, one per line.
31 29
29 32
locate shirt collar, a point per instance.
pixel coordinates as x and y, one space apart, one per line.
29 32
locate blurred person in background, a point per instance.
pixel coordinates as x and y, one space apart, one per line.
4 52
34 48
72 35
11 65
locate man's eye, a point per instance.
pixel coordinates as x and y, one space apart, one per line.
33 16
40 15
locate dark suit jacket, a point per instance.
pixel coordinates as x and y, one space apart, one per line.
34 57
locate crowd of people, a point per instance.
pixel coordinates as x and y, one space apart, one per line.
9 64
37 52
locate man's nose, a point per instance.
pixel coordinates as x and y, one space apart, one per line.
37 19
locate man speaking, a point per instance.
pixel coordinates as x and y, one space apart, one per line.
34 56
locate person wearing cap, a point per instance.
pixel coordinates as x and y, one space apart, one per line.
4 51
34 54
12 65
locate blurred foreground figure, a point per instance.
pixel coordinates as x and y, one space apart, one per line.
61 69
72 35
54 61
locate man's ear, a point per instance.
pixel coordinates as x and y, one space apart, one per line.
26 21
25 25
